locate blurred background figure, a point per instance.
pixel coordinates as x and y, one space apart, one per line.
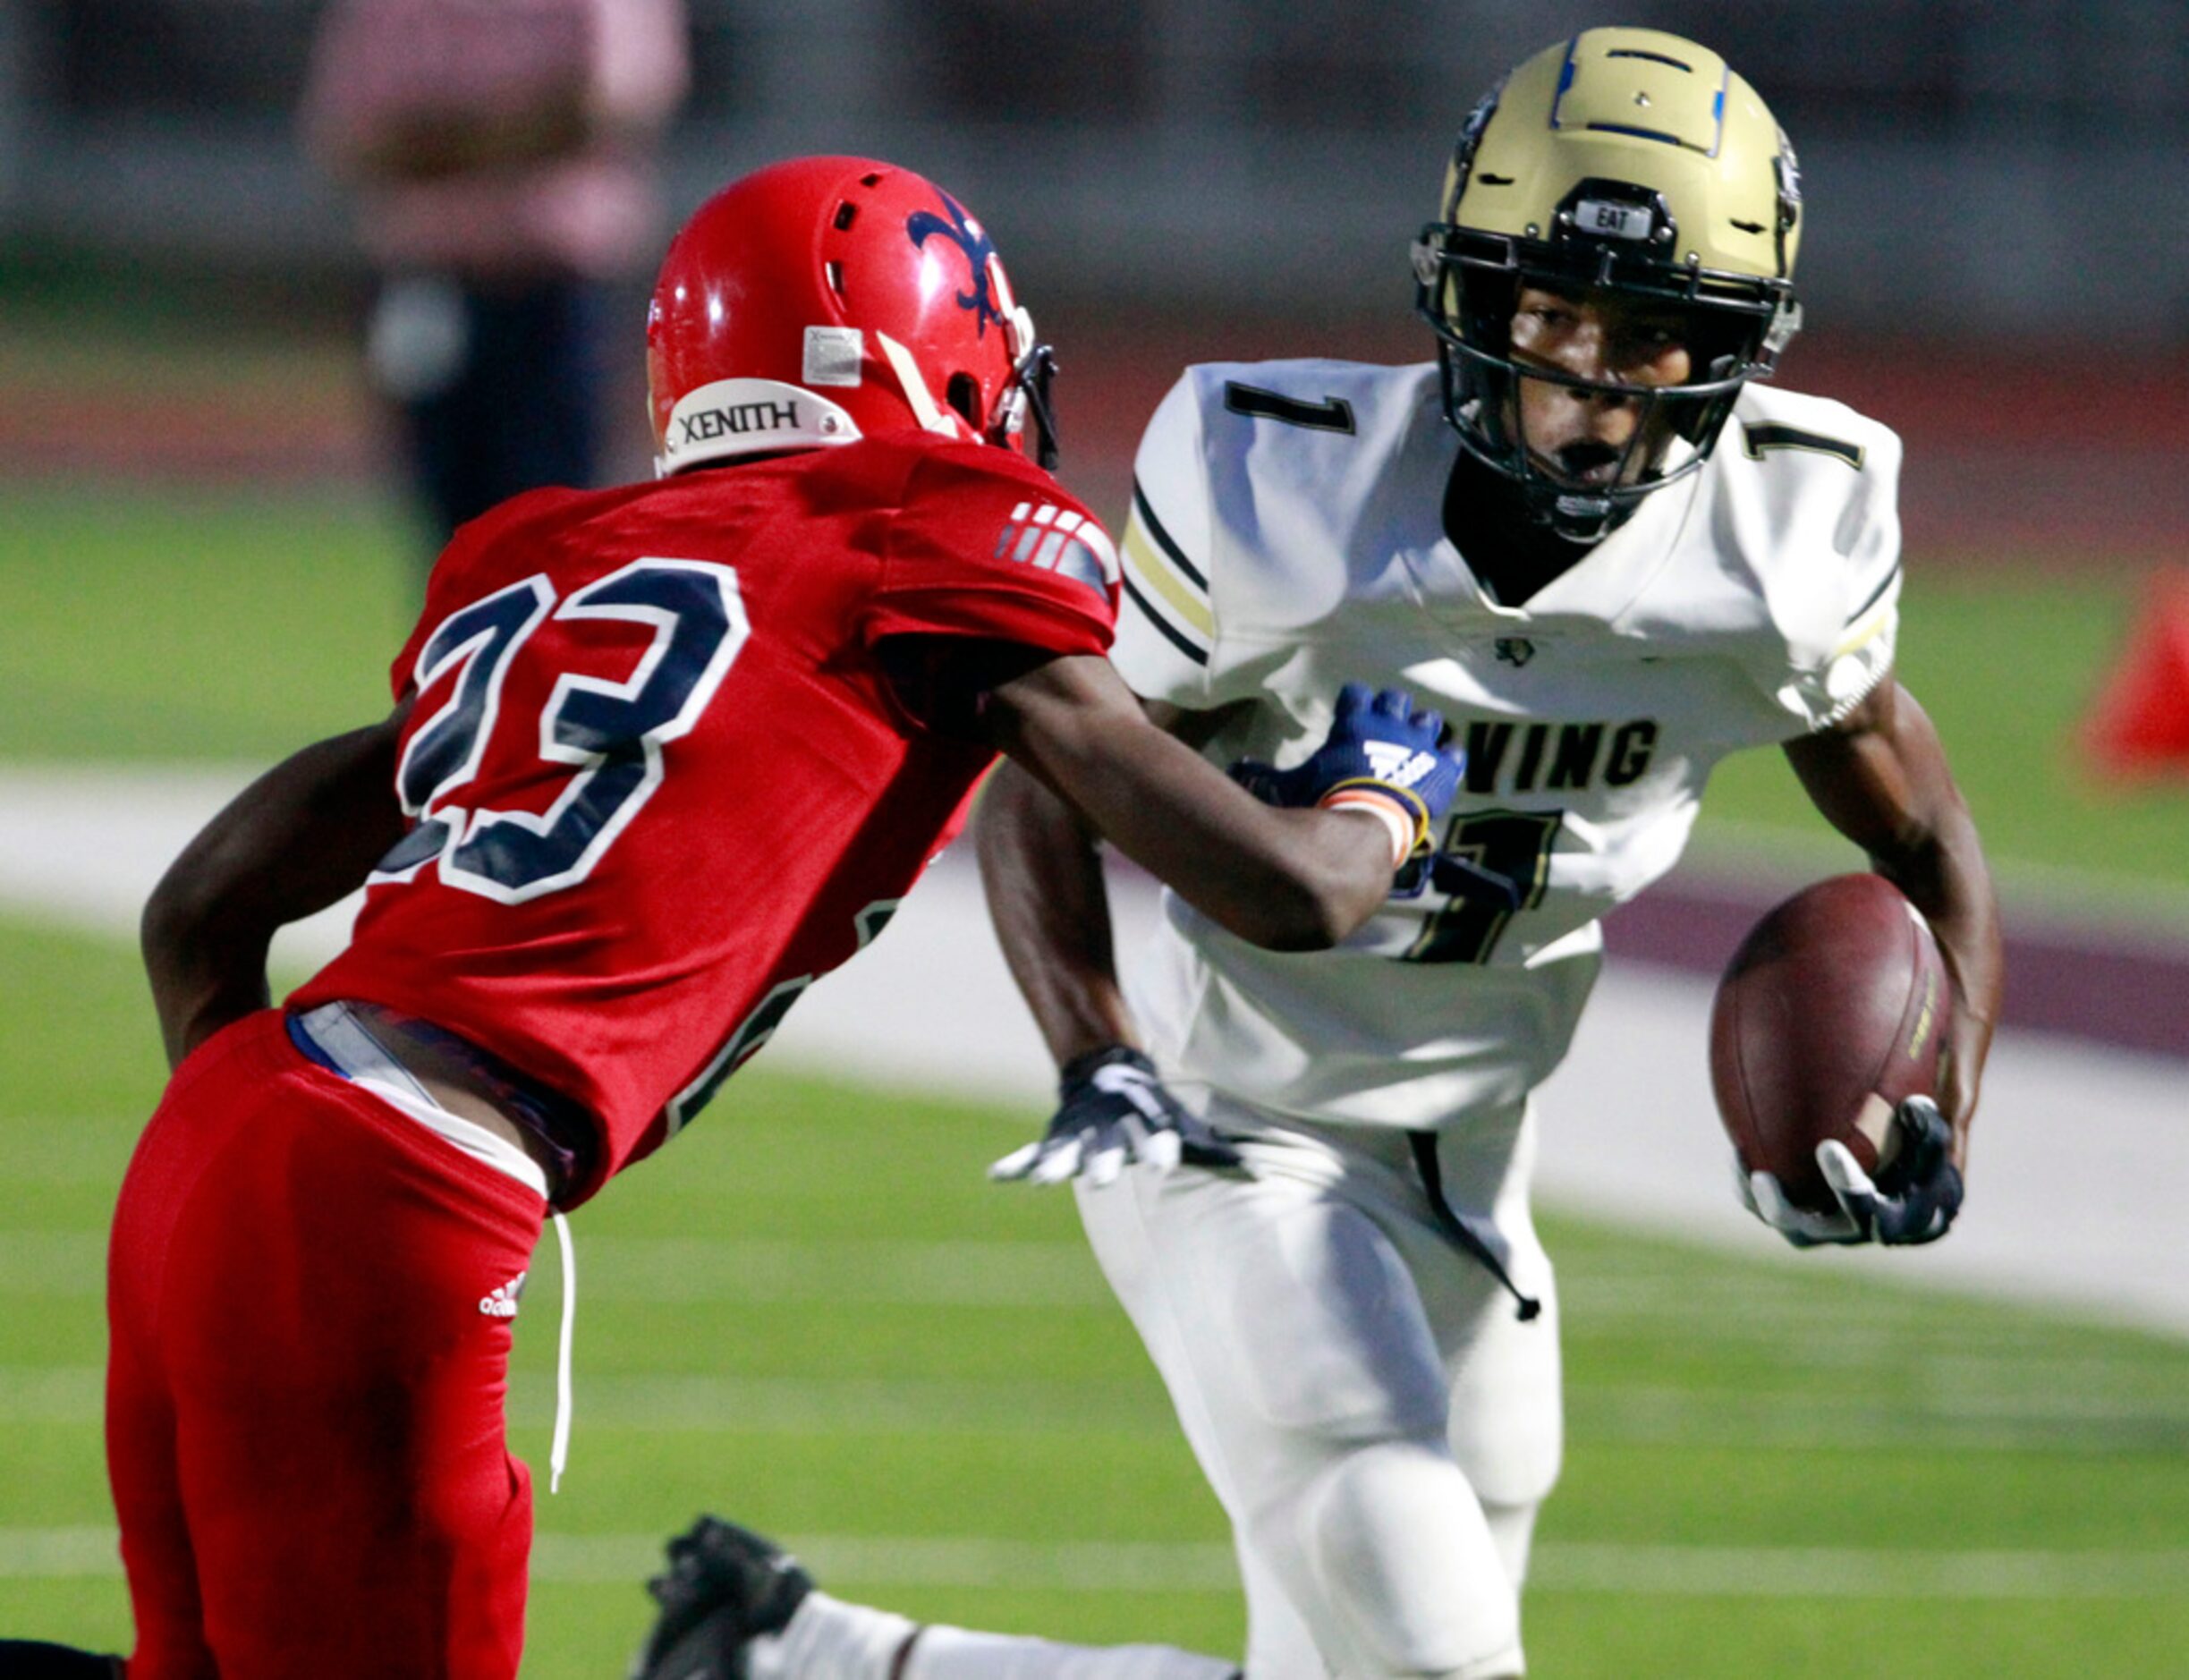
501 156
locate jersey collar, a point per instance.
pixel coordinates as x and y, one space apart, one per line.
1600 587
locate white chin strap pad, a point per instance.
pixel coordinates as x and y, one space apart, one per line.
749 417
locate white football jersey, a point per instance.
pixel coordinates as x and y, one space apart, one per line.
1286 538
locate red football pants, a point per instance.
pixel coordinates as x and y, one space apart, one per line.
304 1389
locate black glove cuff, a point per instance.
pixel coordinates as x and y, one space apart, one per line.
1083 1066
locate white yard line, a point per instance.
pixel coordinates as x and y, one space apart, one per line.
868 1562
2082 1155
2051 1422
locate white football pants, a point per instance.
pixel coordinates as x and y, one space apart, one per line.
1379 1424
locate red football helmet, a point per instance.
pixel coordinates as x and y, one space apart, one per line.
821 299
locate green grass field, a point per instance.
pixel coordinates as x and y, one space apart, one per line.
814 1316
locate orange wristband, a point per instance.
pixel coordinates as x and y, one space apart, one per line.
1402 821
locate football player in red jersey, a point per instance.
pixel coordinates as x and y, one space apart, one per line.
659 756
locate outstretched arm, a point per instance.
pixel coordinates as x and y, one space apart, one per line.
1041 867
293 842
1296 869
1042 870
1881 778
1290 879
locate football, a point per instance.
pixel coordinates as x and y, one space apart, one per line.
1831 1012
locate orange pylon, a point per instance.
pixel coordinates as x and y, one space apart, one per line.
2139 725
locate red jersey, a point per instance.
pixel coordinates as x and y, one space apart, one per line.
658 778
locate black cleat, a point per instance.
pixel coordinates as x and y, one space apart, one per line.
725 1588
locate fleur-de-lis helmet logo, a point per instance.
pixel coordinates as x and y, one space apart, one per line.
969 237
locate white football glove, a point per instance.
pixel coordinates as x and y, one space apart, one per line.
1112 1112
1912 1201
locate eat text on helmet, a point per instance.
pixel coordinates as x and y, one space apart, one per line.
1629 162
822 299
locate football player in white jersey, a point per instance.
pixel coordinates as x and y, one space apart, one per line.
1609 556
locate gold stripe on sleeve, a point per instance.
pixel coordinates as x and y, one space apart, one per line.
1142 554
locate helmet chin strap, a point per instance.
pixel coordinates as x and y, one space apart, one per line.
1584 521
929 412
1019 333
1574 512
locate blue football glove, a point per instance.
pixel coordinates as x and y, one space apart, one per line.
1911 1200
1113 1112
1379 749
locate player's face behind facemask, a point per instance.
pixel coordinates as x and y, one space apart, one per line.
1613 261
1587 403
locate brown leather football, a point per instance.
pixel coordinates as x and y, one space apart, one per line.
1831 1012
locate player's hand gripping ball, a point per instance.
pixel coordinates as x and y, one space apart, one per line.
1381 755
1825 1038
1113 1113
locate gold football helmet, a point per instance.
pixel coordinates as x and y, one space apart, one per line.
1629 161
